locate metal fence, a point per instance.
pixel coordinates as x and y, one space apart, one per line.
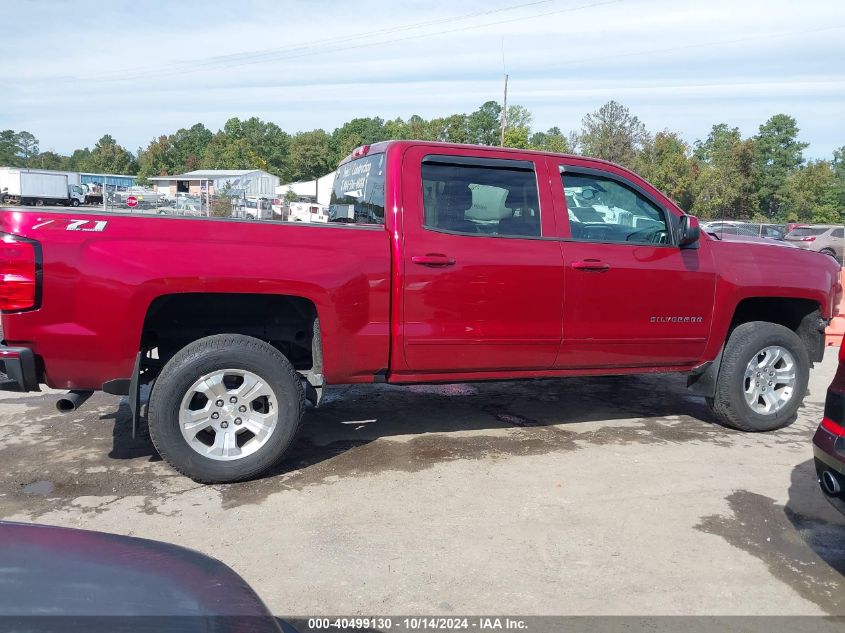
149 202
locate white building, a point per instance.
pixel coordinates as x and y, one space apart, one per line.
320 189
236 182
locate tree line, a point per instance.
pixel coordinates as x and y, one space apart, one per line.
762 178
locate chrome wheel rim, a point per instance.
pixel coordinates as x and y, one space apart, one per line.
228 414
770 380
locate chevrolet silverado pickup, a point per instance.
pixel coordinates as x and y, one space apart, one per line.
440 263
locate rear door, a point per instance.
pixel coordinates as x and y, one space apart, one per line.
482 283
633 296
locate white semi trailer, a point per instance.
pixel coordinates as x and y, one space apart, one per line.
33 187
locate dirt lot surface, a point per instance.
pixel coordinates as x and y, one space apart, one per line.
579 496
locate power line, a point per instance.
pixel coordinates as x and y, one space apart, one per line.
283 54
257 55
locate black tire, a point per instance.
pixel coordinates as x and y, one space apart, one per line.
75 202
39 202
745 341
206 355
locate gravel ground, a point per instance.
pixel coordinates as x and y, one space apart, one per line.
579 496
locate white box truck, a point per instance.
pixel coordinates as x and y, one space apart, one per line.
31 187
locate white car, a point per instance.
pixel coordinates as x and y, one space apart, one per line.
308 212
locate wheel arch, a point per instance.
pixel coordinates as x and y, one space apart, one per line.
290 323
802 316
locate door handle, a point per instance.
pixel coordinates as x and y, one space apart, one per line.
433 259
591 266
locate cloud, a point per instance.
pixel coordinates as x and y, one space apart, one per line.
141 69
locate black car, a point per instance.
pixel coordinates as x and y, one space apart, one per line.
62 579
829 440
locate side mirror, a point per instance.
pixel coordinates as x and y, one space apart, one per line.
689 231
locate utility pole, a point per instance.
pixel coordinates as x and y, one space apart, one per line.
504 113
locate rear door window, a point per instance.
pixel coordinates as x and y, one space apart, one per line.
484 197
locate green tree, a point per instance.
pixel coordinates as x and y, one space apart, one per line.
419 129
517 137
519 116
551 140
225 152
265 139
158 159
777 154
397 129
77 160
27 146
725 175
450 129
8 149
311 155
355 133
291 196
189 146
108 157
612 133
17 148
484 125
838 166
665 162
49 160
810 194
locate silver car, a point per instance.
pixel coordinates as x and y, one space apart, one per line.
827 239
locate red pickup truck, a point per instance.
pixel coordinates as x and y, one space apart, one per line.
440 263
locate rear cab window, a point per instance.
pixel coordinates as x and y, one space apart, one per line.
358 191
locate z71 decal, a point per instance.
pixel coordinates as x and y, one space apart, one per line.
76 225
79 225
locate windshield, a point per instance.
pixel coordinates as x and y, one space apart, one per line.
805 232
358 192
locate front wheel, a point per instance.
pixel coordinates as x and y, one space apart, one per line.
225 408
75 202
763 377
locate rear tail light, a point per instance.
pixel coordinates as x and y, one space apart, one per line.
834 427
808 239
18 279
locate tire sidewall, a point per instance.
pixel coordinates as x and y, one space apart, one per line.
173 384
756 343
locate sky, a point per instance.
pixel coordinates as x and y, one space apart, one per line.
139 69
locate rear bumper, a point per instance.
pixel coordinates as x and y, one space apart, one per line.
18 363
828 449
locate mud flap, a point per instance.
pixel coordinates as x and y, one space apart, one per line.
135 395
702 381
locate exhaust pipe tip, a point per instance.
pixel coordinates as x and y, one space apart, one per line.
830 483
72 401
65 405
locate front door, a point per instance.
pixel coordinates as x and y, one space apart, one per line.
633 296
483 289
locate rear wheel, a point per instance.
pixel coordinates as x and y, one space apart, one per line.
225 408
828 251
763 377
39 203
